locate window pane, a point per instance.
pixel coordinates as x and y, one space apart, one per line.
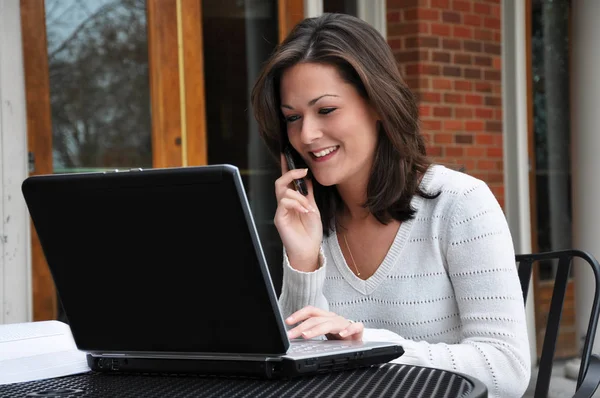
550 57
341 6
238 37
99 84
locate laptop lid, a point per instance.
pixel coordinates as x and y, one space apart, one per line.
158 260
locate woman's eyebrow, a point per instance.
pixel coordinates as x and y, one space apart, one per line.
311 102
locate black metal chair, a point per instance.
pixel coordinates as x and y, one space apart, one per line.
589 369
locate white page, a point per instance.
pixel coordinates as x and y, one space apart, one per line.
38 350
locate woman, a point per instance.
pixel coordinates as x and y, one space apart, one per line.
413 252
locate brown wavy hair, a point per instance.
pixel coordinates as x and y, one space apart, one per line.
364 59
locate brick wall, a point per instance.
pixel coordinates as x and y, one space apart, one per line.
449 53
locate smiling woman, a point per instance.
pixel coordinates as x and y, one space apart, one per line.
411 251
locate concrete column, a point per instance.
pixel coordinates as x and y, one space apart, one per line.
585 144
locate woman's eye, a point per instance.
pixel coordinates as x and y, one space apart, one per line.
325 111
292 118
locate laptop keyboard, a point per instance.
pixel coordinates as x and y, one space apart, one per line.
308 347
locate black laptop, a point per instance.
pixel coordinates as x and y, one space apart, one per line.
162 270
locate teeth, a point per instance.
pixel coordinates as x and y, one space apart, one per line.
324 152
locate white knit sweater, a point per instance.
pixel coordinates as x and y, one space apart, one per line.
447 290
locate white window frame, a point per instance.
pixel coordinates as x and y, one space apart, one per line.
515 136
371 11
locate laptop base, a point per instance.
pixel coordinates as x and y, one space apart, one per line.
265 368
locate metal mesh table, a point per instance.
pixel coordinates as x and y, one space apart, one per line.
383 381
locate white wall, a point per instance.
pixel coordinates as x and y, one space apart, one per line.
15 269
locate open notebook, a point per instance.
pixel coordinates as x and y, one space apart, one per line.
162 270
38 350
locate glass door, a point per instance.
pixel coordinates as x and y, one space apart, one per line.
149 83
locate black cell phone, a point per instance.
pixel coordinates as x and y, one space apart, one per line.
299 183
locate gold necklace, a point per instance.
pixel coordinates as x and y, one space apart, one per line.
351 256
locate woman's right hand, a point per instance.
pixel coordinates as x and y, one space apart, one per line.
298 220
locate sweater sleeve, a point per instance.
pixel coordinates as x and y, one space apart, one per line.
300 289
493 346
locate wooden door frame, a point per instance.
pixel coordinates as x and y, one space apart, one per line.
39 140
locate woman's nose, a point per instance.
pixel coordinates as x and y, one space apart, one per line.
311 131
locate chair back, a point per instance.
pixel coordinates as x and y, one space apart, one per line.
565 259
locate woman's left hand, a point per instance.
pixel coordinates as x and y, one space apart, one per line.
314 322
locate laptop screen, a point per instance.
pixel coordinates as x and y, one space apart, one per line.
159 260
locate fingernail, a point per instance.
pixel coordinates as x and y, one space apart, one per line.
343 333
307 333
290 319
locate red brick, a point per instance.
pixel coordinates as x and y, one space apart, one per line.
442 111
497 63
451 44
492 23
463 138
475 152
480 8
482 34
395 44
430 97
451 71
464 113
473 99
493 101
424 110
454 151
473 46
482 60
422 42
484 139
493 126
472 73
484 113
431 125
439 56
474 125
453 125
453 98
440 29
443 138
494 152
461 5
392 16
451 17
463 32
440 4
486 165
462 59
483 87
434 151
472 20
463 85
441 84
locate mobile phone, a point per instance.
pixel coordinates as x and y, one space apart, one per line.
299 183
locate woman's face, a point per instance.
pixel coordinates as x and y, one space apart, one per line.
328 123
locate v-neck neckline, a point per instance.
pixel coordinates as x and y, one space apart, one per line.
369 285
